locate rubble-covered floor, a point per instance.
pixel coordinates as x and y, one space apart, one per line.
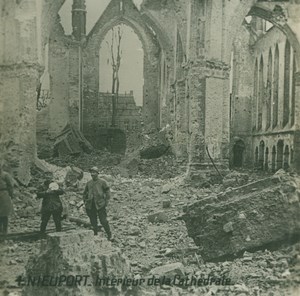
149 245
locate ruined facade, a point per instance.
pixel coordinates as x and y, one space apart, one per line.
264 96
192 49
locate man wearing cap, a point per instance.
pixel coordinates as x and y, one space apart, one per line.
96 196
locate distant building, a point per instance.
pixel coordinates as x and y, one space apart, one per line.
128 114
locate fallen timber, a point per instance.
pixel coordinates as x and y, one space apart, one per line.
255 216
30 235
35 235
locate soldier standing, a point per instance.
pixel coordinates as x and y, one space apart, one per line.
96 196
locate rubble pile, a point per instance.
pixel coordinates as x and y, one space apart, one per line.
155 143
100 158
145 215
70 141
65 255
252 216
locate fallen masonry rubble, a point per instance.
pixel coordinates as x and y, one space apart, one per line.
260 214
65 255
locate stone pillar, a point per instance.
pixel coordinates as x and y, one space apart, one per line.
19 72
79 19
181 119
18 116
217 113
76 102
196 95
196 114
59 80
296 154
225 121
151 93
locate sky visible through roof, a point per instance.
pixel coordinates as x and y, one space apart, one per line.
131 70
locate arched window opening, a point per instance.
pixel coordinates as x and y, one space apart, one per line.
293 91
260 93
286 163
286 92
273 159
267 159
120 98
261 155
269 89
255 95
275 87
280 146
238 153
179 57
43 86
256 157
292 156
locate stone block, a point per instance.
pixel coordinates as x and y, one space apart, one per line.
76 253
168 270
159 217
253 216
166 204
166 188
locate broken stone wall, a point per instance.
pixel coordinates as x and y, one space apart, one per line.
24 38
242 96
261 214
76 255
59 79
264 143
127 113
273 145
284 20
19 72
114 15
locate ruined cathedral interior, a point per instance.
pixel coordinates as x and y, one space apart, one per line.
190 109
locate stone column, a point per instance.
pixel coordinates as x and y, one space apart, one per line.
196 114
181 119
296 154
151 93
19 73
225 121
195 95
18 115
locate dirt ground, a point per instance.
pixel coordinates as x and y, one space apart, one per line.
149 245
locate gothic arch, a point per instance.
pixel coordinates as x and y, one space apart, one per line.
125 12
252 8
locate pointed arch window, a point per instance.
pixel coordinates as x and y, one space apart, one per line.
293 90
275 87
287 76
254 107
260 92
269 89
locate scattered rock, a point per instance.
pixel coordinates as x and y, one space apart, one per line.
134 230
166 204
228 227
166 188
168 270
159 217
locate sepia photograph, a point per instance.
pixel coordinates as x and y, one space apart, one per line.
149 147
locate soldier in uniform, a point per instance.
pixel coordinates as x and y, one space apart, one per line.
96 196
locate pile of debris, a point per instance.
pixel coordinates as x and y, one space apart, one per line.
254 216
70 141
156 143
92 259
